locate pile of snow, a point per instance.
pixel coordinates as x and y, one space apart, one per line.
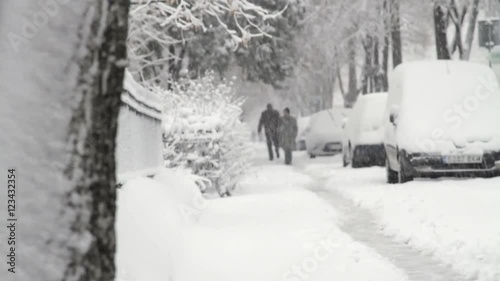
454 220
203 131
151 216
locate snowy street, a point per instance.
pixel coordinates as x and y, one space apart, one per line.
319 221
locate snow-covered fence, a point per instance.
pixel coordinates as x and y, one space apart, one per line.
139 141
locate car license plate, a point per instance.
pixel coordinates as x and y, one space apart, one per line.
463 159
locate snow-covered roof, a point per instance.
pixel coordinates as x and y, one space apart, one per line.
369 111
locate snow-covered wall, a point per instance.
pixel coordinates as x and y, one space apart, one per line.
139 140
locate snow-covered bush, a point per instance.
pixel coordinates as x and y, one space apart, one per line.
203 131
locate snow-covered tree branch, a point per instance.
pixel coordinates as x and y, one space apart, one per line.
159 29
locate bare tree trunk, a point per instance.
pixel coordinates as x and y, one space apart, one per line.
458 20
397 48
385 51
367 83
341 84
440 32
378 74
469 37
352 91
385 64
330 85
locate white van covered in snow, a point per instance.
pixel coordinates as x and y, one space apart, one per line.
363 132
442 119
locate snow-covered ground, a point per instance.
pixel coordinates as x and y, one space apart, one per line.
454 220
282 224
274 228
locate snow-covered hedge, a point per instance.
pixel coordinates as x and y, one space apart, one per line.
203 131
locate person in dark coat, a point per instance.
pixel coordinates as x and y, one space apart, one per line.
288 135
270 120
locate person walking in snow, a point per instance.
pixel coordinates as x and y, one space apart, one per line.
270 120
288 135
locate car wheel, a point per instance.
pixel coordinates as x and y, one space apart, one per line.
312 156
357 162
392 176
402 177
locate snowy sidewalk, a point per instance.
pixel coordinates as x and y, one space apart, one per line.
275 229
313 221
433 230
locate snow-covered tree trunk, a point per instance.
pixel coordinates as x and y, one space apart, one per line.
61 80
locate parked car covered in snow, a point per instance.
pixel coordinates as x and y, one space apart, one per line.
324 134
362 144
303 123
442 119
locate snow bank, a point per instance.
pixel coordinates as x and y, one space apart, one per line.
151 216
454 220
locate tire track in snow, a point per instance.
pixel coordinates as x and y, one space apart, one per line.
362 226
